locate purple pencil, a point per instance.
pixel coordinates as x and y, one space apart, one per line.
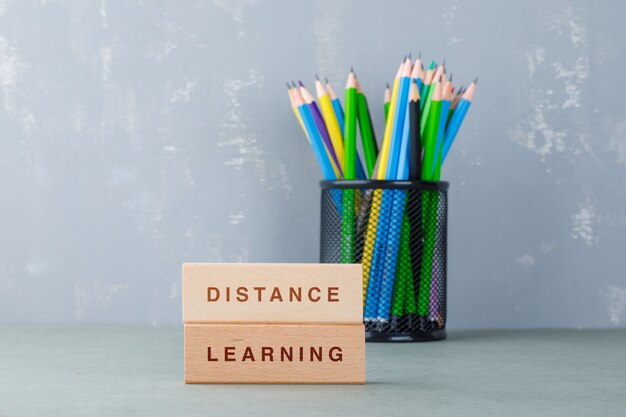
321 126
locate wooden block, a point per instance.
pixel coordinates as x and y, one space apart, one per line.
276 293
275 354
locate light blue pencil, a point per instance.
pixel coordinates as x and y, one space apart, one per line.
457 118
382 251
316 140
395 222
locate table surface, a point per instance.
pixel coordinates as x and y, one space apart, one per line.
113 371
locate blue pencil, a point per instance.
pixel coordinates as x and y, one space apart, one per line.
457 118
378 257
398 124
383 271
397 214
316 140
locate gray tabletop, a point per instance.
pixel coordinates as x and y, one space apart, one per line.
112 371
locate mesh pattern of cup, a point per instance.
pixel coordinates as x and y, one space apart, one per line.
400 238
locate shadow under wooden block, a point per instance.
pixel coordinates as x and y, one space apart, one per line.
275 353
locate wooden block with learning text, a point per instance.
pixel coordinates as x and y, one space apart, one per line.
272 293
275 353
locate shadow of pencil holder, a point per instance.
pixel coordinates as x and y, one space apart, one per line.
397 230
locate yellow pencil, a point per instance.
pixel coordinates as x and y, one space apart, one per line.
372 223
382 166
328 113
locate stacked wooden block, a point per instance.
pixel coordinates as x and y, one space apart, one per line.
273 323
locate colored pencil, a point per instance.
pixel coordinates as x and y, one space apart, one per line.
428 79
317 142
437 78
350 128
347 241
415 151
414 218
295 110
428 163
330 119
390 220
445 107
458 117
418 72
371 286
336 104
321 127
454 103
398 122
386 100
360 173
397 226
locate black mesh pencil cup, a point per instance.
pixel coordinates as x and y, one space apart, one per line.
397 231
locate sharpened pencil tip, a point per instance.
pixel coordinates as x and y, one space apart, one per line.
419 55
443 64
326 80
387 85
317 78
301 83
410 57
450 77
288 86
476 80
293 83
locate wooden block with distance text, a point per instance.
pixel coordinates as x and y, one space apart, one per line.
275 353
272 293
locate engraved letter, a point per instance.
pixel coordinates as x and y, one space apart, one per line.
215 291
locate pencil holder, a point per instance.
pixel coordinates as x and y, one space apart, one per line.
397 231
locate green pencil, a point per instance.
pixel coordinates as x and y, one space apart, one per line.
427 106
387 101
428 79
429 203
403 285
367 132
347 218
349 133
430 135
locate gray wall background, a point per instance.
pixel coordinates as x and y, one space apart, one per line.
135 135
